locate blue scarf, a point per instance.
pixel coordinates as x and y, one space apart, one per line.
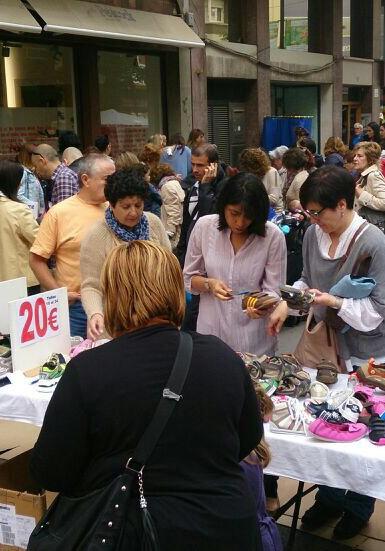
140 231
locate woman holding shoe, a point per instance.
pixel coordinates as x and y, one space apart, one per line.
328 197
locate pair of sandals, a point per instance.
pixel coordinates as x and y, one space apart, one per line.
294 381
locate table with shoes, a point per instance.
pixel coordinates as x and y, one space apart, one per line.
328 438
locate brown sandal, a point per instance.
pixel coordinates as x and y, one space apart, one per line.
327 372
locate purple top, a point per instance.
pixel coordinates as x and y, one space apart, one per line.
260 264
271 539
65 183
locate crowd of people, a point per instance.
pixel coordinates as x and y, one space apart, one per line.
139 219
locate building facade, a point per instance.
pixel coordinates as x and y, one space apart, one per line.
121 67
292 58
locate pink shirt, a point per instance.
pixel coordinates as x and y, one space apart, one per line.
259 265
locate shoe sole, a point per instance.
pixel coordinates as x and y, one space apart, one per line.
335 441
288 431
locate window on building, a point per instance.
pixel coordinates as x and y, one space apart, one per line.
130 99
216 19
288 24
37 97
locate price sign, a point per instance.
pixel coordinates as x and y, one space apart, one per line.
38 319
39 326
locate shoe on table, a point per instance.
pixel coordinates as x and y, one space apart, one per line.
348 526
318 515
372 375
50 372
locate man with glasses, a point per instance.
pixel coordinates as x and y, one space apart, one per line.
47 165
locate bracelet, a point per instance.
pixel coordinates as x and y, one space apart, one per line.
207 284
337 303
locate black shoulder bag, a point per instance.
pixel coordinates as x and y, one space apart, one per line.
96 521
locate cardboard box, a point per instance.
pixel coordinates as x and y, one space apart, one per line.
21 502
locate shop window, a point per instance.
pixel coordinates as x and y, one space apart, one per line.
130 99
288 24
36 95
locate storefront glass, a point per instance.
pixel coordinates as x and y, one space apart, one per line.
36 95
130 99
288 24
297 101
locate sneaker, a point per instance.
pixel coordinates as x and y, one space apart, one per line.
330 432
318 391
337 398
50 372
327 372
372 375
318 515
288 416
377 430
349 526
269 386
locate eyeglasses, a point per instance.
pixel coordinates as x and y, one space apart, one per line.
314 213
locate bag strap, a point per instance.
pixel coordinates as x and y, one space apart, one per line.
352 242
171 396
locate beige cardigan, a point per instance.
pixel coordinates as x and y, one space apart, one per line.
295 186
95 247
273 185
373 195
171 212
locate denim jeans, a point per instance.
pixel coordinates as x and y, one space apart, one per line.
347 501
78 320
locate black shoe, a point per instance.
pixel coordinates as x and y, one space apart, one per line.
349 526
318 515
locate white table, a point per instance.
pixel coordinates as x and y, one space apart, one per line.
21 401
357 466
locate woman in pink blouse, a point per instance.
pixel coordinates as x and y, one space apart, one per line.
234 251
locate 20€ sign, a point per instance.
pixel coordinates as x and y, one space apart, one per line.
38 318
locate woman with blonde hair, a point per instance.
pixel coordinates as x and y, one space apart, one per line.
257 162
194 486
126 159
334 151
370 188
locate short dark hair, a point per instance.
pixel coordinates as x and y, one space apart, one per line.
102 142
125 183
68 138
11 174
308 143
247 190
327 186
177 139
294 158
206 150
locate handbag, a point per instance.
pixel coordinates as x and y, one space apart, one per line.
318 342
100 520
375 217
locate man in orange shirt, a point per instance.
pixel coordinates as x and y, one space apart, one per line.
61 233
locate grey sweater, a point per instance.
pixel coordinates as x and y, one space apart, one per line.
367 257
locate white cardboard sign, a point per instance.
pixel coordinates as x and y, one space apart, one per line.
11 289
39 326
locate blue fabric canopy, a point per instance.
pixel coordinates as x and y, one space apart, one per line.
280 130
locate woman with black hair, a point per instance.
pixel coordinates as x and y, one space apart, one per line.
372 133
18 228
126 191
231 252
328 196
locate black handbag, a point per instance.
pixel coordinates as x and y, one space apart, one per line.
100 520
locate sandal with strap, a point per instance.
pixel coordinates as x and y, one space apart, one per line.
327 372
279 367
377 430
295 385
259 300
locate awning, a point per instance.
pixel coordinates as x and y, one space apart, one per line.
15 17
86 18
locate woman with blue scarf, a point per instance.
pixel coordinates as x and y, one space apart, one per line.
124 221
